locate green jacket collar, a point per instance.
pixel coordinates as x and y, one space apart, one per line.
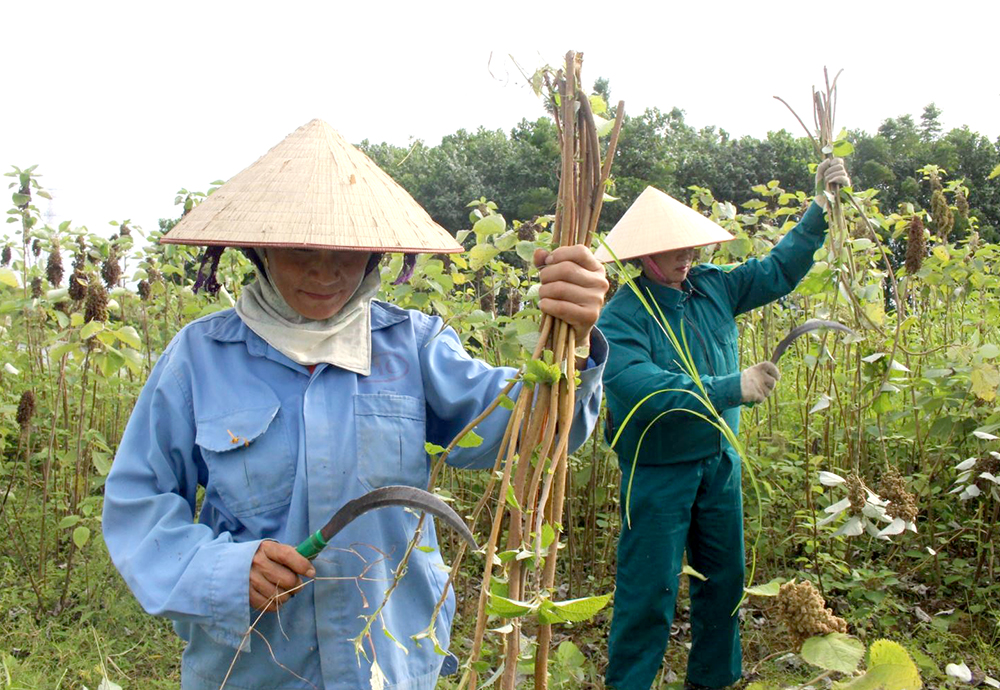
668 297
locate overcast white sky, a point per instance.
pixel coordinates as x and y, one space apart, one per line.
121 104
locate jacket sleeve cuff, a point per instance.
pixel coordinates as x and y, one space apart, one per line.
726 392
229 595
814 219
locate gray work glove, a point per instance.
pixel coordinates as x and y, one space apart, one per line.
757 382
830 172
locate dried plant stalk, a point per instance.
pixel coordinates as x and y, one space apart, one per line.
534 452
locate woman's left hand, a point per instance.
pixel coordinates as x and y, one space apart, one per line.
573 287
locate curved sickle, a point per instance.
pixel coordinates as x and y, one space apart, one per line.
405 496
810 325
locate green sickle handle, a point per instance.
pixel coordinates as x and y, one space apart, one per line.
312 545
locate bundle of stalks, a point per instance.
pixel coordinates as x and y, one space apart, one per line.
533 456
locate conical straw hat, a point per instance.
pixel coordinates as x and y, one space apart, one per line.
313 190
656 222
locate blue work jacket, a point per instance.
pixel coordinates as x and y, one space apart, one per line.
278 450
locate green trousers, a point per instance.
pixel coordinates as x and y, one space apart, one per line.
694 505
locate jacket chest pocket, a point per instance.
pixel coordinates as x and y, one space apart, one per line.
251 463
390 433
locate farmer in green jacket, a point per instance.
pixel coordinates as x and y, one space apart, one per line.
685 477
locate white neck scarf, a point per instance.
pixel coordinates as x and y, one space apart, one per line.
344 340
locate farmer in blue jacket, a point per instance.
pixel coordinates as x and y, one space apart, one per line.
682 484
307 395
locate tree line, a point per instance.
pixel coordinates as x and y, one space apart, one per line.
519 170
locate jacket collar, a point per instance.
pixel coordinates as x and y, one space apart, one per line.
668 296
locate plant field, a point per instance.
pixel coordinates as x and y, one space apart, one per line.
873 472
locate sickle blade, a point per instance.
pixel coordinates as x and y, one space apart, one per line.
802 329
405 496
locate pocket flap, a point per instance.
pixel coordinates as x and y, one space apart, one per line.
387 405
235 428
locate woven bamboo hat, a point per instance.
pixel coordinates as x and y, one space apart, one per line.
656 222
313 190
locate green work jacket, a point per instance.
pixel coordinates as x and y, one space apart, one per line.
641 360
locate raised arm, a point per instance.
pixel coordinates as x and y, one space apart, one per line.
760 281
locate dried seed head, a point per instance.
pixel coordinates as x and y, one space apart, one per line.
974 241
154 274
36 287
902 503
5 255
81 242
803 611
513 301
111 271
36 248
78 284
26 409
856 493
962 204
143 289
527 232
941 213
446 261
54 267
97 302
124 231
488 302
916 246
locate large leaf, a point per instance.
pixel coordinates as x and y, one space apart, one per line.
769 589
489 225
480 255
507 608
572 610
129 336
889 668
81 535
833 652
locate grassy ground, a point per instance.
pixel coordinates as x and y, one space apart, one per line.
103 624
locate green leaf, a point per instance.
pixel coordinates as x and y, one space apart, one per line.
833 652
56 352
433 448
489 225
506 241
129 336
537 371
102 463
8 278
995 173
512 499
572 610
480 255
133 360
691 572
989 351
569 655
470 440
548 535
20 199
843 148
769 589
506 403
889 668
603 126
81 535
68 521
507 608
525 250
91 329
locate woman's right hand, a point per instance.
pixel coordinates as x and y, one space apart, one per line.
275 569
